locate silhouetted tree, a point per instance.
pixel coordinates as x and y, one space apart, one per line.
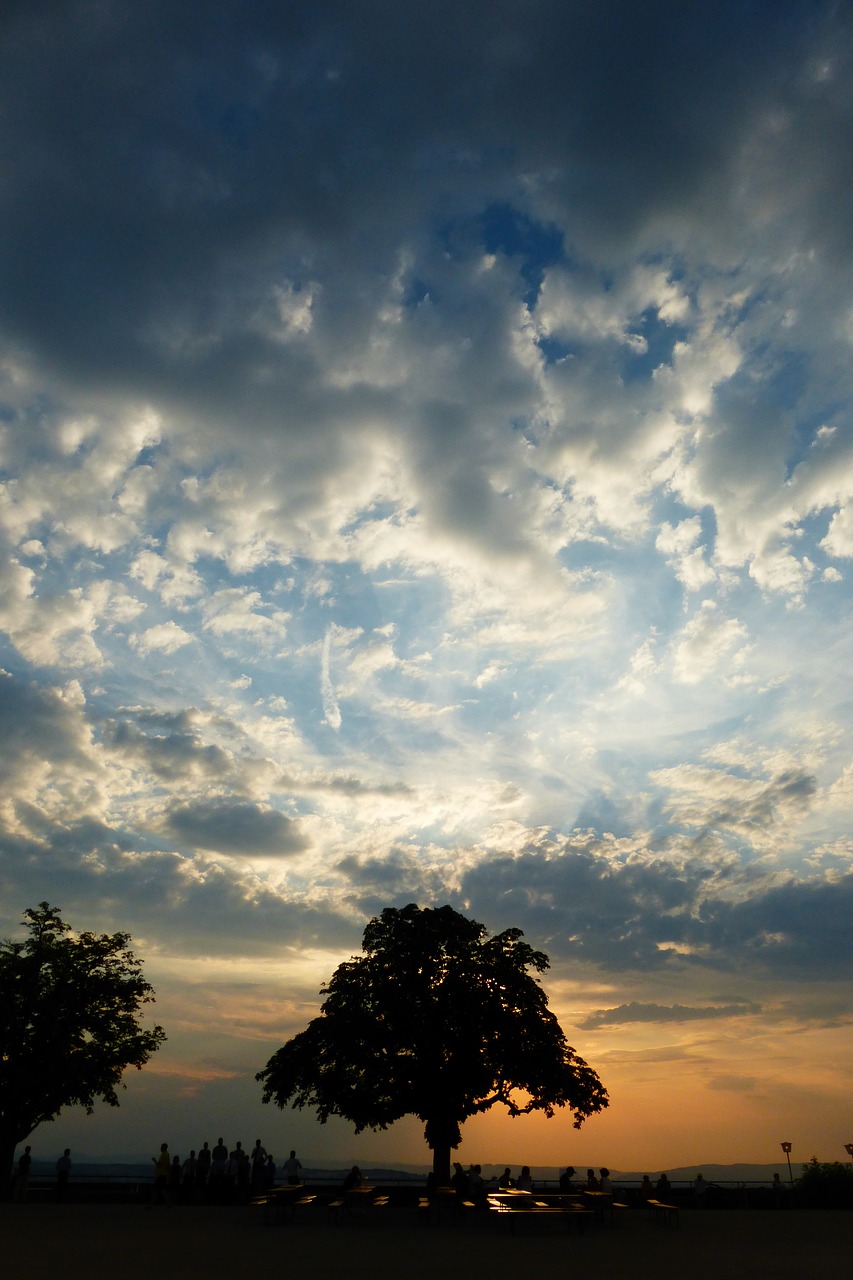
437 1019
826 1185
68 1023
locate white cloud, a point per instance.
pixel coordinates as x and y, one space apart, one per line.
166 637
706 641
331 710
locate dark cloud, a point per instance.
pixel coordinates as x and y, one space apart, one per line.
797 929
341 784
661 913
637 1012
578 904
236 826
270 137
38 724
188 905
179 751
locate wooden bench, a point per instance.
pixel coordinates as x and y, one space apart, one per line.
281 1204
667 1214
357 1204
513 1212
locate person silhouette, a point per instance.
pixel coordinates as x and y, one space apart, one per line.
63 1173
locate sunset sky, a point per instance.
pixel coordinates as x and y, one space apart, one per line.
426 475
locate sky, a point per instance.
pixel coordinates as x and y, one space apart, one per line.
426 475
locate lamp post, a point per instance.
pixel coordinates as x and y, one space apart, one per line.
786 1147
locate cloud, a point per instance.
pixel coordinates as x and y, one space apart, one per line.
757 809
706 641
643 912
234 827
166 637
638 1012
331 710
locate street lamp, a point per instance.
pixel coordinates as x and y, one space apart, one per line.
786 1147
848 1147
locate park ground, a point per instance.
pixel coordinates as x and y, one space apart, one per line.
85 1241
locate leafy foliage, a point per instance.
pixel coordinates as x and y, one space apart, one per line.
827 1185
68 1021
439 1020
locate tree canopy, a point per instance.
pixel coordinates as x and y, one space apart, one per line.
436 1019
826 1184
69 1004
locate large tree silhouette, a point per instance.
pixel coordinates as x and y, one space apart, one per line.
436 1019
68 1023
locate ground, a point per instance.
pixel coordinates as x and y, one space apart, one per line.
43 1241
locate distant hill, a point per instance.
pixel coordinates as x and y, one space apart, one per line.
724 1173
715 1173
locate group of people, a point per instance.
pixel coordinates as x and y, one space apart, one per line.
21 1176
593 1182
470 1184
218 1174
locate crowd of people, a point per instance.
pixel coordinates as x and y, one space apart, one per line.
218 1174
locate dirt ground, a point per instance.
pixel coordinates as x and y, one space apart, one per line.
86 1242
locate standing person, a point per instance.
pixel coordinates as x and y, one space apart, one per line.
63 1173
175 1179
22 1178
202 1171
218 1170
189 1176
259 1159
244 1174
662 1188
235 1167
292 1170
162 1166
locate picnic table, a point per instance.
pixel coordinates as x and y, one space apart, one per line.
282 1203
664 1213
358 1202
523 1206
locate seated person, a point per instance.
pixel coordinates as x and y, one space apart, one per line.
459 1182
353 1179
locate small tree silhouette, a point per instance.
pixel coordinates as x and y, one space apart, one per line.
68 1023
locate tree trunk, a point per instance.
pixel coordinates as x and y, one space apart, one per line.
442 1135
8 1143
441 1164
